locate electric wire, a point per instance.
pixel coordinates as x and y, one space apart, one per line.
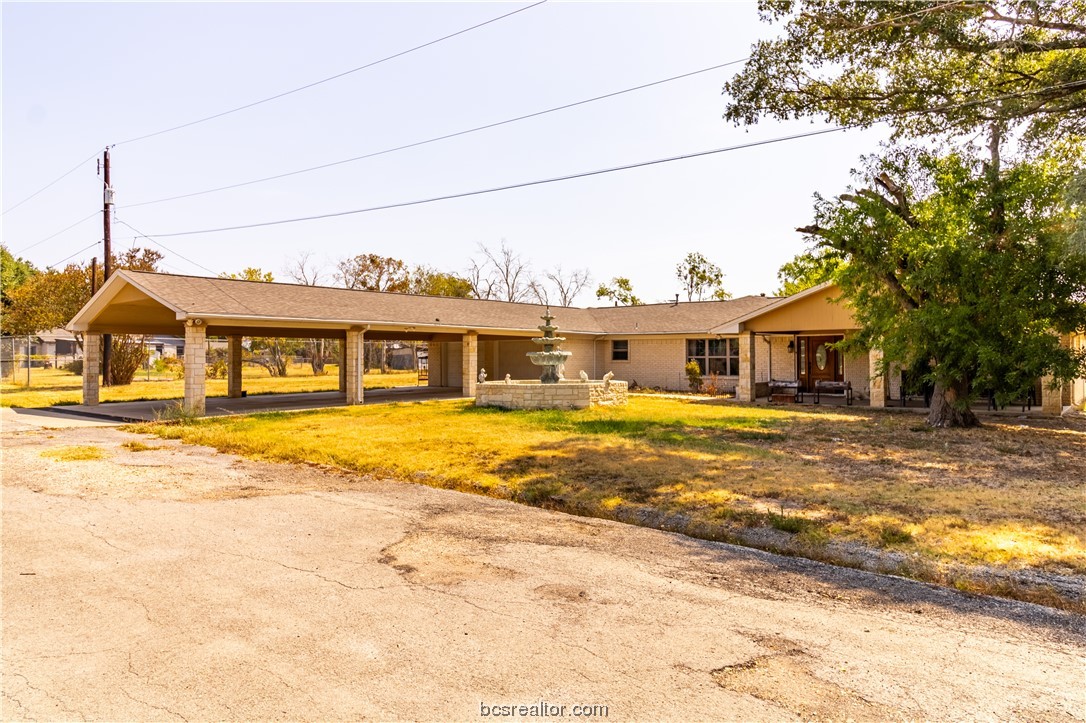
141 234
52 183
435 139
52 236
353 70
598 172
58 263
524 184
329 78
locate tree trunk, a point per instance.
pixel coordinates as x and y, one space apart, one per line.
949 408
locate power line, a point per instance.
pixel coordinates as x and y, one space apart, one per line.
159 243
52 183
603 171
58 263
52 236
329 78
525 184
437 138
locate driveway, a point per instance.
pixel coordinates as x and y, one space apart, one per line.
180 583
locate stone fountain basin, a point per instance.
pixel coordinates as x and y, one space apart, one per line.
566 394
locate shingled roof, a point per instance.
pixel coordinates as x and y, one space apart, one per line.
198 296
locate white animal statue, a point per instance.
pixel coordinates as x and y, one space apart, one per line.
607 379
482 375
508 378
584 376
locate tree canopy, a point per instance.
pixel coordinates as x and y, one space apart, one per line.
928 69
700 276
939 293
620 291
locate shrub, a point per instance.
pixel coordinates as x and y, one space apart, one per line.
172 364
129 354
693 375
75 367
712 388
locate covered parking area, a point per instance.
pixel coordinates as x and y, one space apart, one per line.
199 307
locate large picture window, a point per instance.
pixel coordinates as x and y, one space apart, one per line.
714 356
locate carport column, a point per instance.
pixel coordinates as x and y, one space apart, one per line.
343 365
746 390
355 356
195 367
470 363
878 378
92 367
233 366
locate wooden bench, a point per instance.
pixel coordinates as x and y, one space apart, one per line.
843 389
789 391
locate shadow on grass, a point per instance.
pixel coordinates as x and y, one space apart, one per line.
677 489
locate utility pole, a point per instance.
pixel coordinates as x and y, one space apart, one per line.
107 208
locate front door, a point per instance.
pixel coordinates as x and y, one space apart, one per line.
820 362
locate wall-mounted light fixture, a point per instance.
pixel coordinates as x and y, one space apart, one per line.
791 346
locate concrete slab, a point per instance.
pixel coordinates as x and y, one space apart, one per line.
146 411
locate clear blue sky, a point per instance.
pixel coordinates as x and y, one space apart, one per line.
77 77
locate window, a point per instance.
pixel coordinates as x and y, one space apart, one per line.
620 350
714 356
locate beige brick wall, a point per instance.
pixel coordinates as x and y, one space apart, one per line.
857 371
782 363
565 395
652 363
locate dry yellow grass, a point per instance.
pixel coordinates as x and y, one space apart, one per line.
79 453
1002 495
51 387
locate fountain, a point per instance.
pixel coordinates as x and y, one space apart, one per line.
551 391
551 358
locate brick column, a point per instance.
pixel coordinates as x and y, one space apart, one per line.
343 365
233 366
436 364
746 390
355 353
92 367
195 367
878 378
470 360
1051 399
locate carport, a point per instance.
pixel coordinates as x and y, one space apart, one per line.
197 307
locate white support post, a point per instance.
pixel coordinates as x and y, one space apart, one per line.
747 390
195 401
92 367
470 360
233 366
355 357
878 379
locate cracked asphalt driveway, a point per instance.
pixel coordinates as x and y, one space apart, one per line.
179 583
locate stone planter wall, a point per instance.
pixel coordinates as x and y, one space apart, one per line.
564 395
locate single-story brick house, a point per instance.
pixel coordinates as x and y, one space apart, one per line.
744 343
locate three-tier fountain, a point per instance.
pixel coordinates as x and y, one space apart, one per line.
551 390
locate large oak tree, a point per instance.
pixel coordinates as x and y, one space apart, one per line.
996 86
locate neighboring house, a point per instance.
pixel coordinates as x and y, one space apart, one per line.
744 343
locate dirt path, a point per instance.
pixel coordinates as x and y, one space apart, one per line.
176 582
